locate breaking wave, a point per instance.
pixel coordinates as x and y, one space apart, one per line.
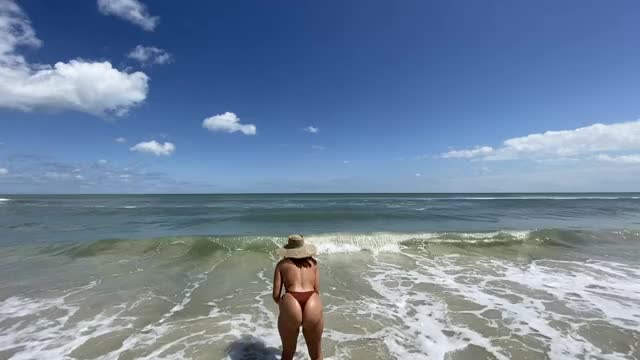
330 243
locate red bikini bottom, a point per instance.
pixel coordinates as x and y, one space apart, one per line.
301 297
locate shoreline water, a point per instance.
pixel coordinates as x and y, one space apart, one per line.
403 277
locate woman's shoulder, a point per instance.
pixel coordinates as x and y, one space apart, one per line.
308 262
282 262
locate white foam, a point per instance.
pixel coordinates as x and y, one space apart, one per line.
608 292
48 337
4 200
392 242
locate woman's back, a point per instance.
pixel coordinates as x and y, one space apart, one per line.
299 274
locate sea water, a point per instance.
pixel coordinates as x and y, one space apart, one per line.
403 276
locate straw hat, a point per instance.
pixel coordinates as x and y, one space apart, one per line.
296 248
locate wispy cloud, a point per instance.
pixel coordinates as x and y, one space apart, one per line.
33 173
470 153
120 140
133 11
155 148
312 129
317 147
228 122
580 142
90 87
102 161
3 171
150 55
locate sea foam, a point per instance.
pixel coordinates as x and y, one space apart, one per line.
394 242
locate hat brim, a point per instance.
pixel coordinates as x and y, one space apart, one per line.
297 253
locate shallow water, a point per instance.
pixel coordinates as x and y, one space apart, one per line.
429 292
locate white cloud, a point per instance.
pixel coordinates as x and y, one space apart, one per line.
120 139
228 122
583 141
477 151
94 88
621 159
154 147
102 161
131 10
56 175
80 85
312 129
150 55
318 147
418 174
346 162
4 171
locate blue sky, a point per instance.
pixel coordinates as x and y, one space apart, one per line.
402 96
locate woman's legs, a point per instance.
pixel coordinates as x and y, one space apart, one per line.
312 326
289 325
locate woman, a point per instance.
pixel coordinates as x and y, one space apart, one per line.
300 305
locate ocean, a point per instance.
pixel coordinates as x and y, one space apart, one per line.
403 276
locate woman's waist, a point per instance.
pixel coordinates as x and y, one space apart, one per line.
300 290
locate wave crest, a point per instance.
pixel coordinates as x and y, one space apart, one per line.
331 243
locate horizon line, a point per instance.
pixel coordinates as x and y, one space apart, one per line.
334 193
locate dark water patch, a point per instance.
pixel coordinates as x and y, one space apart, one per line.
201 247
251 347
192 246
95 248
563 238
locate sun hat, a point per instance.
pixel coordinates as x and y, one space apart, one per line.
296 248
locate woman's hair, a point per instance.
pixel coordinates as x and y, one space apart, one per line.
304 262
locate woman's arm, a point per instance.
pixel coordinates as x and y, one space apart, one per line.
316 284
277 284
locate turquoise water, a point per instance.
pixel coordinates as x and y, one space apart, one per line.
404 276
40 218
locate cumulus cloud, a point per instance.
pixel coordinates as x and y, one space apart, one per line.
131 10
80 85
228 122
154 147
3 171
580 142
312 129
120 139
621 159
150 55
